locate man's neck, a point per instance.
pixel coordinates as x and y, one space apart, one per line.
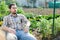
14 14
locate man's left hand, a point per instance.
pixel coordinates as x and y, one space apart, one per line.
25 30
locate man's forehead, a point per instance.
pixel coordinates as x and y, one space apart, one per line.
14 6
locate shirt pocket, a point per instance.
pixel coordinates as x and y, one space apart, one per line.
18 21
10 22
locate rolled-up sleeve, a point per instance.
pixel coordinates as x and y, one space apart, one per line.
25 22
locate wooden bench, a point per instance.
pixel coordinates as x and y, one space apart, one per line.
2 34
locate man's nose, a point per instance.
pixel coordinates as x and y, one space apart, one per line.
15 9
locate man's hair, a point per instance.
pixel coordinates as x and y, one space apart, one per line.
11 5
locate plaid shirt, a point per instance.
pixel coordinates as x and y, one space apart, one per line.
17 22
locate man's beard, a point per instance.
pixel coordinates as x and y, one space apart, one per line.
14 13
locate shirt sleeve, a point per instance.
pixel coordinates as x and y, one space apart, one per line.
25 22
4 22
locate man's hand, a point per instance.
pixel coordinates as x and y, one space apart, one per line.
25 30
12 31
9 30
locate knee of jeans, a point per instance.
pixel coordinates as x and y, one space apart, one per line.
11 36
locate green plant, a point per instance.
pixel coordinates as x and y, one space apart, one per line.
3 8
45 27
20 11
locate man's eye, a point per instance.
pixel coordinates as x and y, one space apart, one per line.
14 8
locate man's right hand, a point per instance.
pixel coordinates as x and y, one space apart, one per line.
11 31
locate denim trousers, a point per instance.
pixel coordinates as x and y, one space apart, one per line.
21 35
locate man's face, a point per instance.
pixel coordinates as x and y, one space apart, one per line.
13 9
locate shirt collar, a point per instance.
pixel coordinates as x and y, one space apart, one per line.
12 15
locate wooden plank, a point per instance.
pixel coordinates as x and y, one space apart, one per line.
2 35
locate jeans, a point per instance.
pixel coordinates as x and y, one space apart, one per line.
21 35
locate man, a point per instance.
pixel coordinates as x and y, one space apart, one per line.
16 25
